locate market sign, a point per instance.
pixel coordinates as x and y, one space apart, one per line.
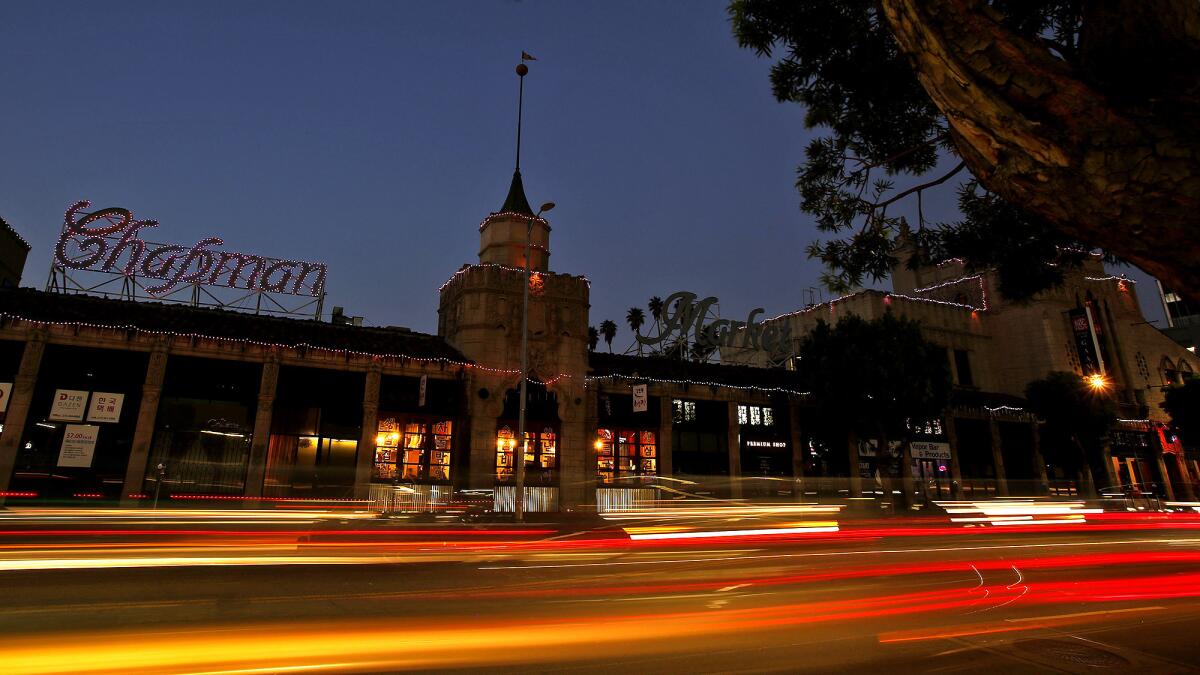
68 405
105 407
684 315
109 240
930 450
78 445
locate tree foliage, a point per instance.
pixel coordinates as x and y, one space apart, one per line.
1183 405
873 376
1062 124
1076 418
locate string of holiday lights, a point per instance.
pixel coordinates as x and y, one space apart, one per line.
276 345
698 383
887 295
512 214
1112 277
12 230
1001 408
505 268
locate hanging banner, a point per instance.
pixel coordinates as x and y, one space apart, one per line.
105 407
640 400
78 445
421 394
1087 347
5 392
68 405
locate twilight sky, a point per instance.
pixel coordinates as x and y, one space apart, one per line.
376 135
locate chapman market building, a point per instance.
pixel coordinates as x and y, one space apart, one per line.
113 393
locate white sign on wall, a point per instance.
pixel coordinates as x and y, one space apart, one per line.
640 400
930 450
68 405
78 446
105 407
421 393
5 392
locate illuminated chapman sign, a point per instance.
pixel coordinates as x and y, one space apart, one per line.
109 241
684 315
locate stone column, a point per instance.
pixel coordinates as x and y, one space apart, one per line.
482 424
732 437
365 458
666 436
1039 461
998 458
1110 471
260 441
955 465
591 422
855 476
907 482
143 433
1189 492
1168 489
576 443
19 403
798 449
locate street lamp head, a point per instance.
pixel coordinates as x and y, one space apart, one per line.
1097 382
548 206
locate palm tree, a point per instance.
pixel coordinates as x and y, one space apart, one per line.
609 330
635 318
656 307
593 338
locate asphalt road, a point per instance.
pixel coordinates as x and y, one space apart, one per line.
901 597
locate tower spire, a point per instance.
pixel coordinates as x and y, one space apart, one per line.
516 201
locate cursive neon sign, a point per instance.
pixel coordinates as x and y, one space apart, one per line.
109 241
684 315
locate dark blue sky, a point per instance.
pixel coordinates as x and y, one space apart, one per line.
376 135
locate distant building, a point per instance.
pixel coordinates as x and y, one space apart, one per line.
1183 319
13 250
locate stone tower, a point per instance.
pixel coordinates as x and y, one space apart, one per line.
479 313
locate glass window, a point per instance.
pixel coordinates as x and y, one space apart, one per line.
768 417
755 415
683 411
743 415
623 453
541 454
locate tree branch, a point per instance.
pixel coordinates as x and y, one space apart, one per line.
918 188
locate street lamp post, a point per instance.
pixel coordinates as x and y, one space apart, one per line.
519 463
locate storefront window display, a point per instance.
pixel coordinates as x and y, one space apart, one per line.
625 453
541 454
78 435
315 427
203 428
415 451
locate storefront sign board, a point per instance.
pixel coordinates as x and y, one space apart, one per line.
640 400
5 392
930 450
105 407
421 393
68 405
78 446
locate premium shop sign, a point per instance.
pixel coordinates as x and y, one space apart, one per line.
109 240
684 315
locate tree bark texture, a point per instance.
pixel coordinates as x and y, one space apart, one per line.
1114 171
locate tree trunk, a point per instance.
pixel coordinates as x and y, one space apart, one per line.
1120 174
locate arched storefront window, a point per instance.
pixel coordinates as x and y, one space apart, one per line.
625 453
1166 370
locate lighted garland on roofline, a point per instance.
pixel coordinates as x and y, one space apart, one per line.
279 345
504 268
512 214
698 383
886 295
